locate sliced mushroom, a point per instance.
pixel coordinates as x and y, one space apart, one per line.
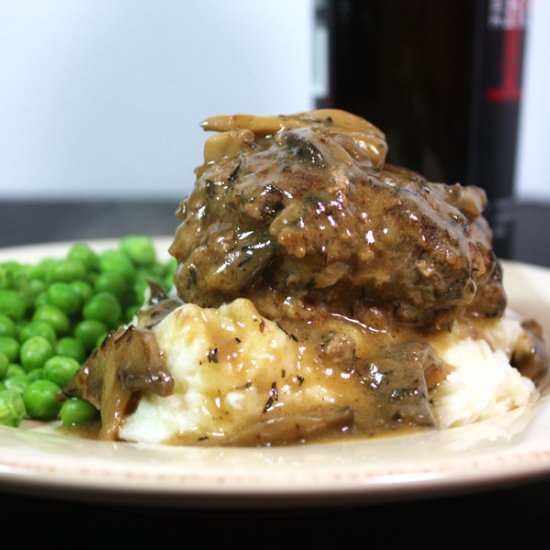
159 306
283 430
531 357
401 377
128 363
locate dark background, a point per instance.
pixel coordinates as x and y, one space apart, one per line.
514 515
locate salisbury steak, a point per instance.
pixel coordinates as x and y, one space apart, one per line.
301 214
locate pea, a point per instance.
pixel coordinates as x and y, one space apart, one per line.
36 374
66 270
35 352
84 254
88 331
115 261
54 316
139 249
77 411
35 272
36 287
4 283
17 383
63 296
41 299
101 339
23 286
12 408
103 307
37 328
60 370
12 304
40 398
140 288
7 326
71 347
10 347
12 271
4 362
113 282
83 289
15 369
42 269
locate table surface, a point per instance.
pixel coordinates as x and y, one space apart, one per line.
513 514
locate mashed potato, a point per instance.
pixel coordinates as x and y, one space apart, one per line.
231 365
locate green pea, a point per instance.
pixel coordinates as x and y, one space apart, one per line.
63 296
88 331
42 269
7 326
37 286
83 289
101 339
17 383
66 270
12 408
71 347
23 286
140 289
36 374
115 261
37 328
41 299
40 398
10 347
4 283
60 370
113 282
139 249
14 369
84 254
103 307
4 362
12 304
12 271
35 272
35 352
76 411
54 316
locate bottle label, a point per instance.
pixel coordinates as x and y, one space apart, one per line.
508 17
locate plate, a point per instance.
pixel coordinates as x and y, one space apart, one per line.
38 460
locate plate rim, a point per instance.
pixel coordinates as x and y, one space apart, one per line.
367 486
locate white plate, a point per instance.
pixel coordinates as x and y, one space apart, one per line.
515 447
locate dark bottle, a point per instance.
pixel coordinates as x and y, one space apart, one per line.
442 79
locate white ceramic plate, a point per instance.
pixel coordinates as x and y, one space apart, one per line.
39 461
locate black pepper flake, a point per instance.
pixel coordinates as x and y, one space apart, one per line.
300 380
283 373
245 260
202 438
238 340
287 333
262 325
212 355
233 175
273 396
